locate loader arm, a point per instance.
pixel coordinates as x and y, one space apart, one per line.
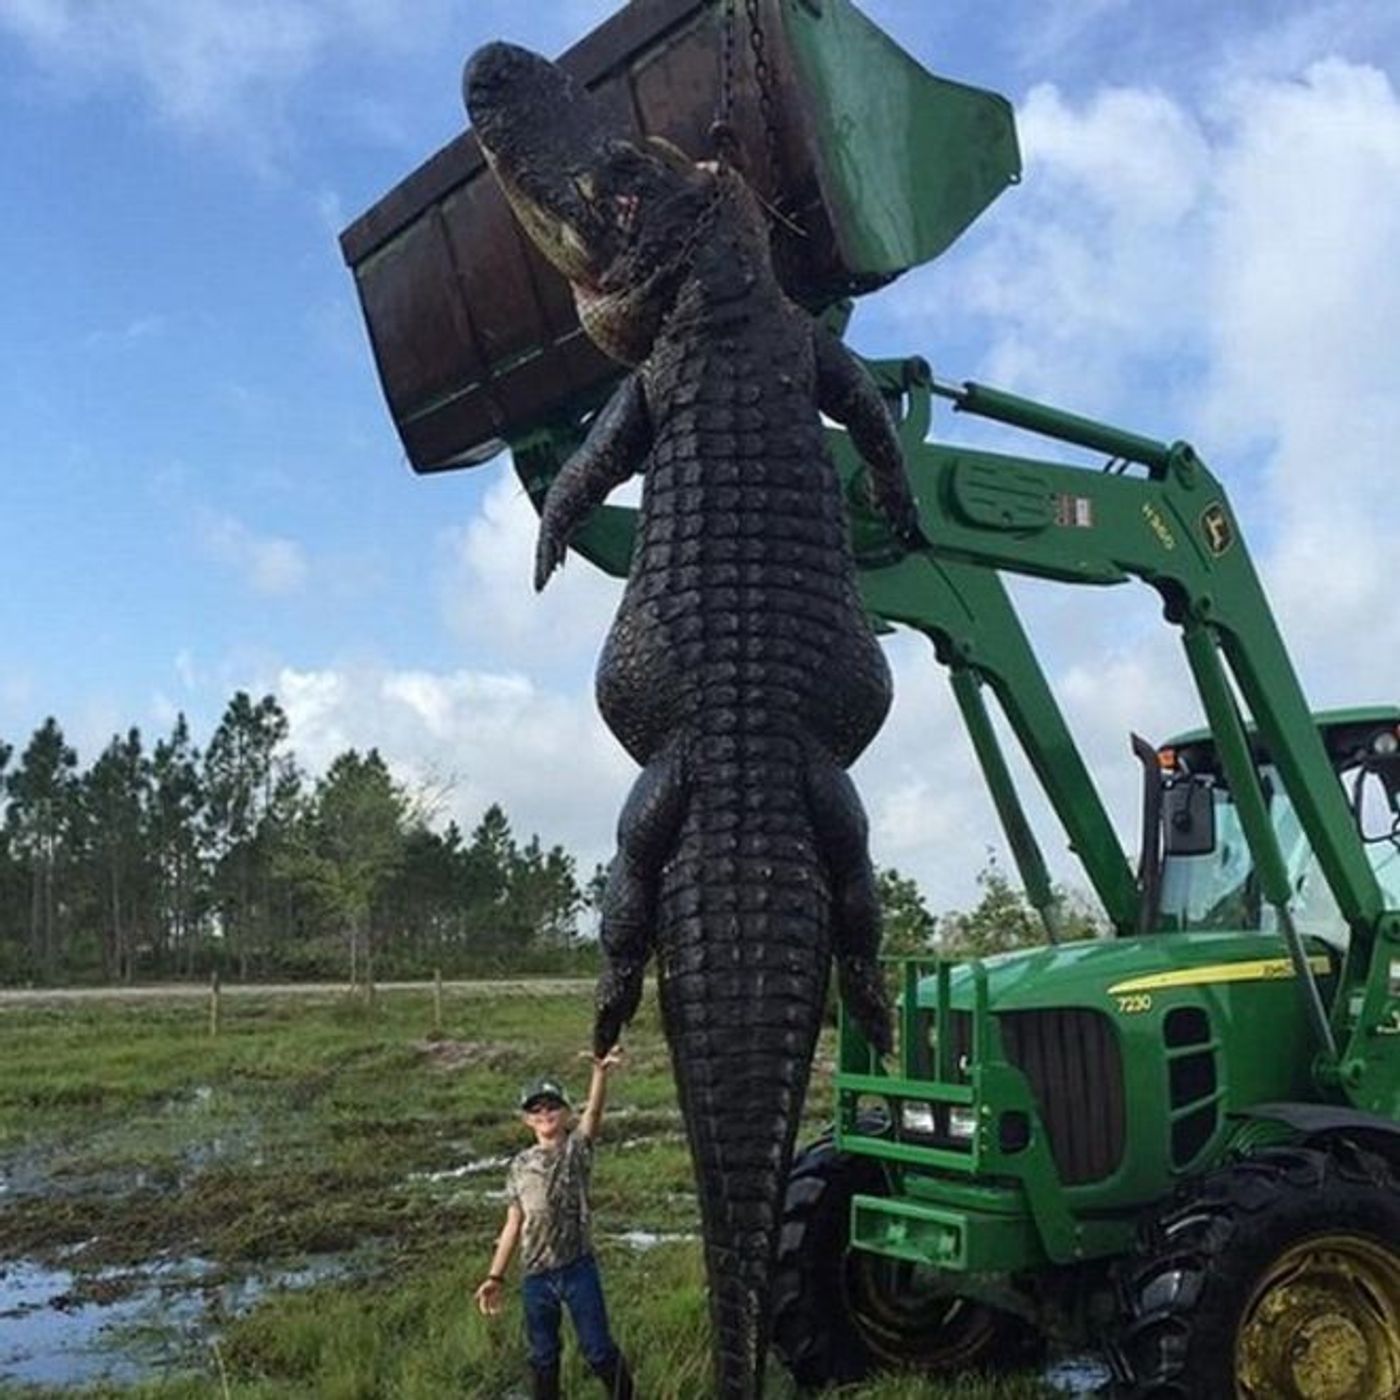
1157 514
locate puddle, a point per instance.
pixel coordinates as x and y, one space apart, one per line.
644 1240
1079 1375
45 1340
24 1173
63 1327
472 1168
190 1102
650 1140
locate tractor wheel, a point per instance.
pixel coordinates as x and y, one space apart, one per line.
841 1314
1276 1278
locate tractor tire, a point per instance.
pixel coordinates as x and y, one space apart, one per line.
1275 1278
840 1315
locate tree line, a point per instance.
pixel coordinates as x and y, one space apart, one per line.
165 860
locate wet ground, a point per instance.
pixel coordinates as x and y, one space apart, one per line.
133 1231
1079 1375
70 1316
62 1326
67 1326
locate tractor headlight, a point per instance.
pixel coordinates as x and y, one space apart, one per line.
917 1117
962 1123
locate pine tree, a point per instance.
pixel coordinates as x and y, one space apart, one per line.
41 792
115 797
240 776
177 800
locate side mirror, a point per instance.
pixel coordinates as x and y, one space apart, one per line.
1188 818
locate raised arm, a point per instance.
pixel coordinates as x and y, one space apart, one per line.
847 393
592 1117
616 446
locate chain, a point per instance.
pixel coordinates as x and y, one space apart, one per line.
763 75
722 132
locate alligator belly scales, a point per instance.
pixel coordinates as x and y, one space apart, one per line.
741 671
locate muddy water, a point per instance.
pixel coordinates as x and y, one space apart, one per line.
65 1326
1079 1376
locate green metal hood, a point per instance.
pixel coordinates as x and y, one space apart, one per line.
1098 972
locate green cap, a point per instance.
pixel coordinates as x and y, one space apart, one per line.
543 1088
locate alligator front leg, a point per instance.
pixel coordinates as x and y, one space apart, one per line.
842 833
646 832
616 446
847 394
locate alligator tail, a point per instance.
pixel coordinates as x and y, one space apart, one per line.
744 949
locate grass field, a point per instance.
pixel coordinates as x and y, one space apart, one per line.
342 1148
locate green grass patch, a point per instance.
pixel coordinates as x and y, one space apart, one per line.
325 1127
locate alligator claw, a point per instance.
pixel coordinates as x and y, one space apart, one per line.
902 513
863 992
618 995
550 551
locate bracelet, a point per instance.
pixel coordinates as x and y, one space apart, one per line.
495 1278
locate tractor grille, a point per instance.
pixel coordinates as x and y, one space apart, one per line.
1075 1069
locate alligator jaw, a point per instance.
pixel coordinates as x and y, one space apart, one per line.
541 133
616 215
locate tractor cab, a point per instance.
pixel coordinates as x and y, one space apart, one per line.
1207 880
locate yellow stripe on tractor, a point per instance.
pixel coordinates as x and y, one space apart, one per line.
1259 970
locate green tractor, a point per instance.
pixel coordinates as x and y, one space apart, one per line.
1181 1141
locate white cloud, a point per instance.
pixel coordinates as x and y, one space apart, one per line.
487 596
185 668
268 564
213 68
142 328
228 70
1224 272
199 63
163 709
1305 357
1086 276
1305 32
543 755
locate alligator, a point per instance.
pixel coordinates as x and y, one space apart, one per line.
741 671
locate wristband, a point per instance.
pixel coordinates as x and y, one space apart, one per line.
495 1278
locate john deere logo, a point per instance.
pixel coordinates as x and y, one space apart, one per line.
1216 527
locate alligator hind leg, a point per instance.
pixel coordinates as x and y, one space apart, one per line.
646 832
842 834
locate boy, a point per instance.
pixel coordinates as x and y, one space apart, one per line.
547 1212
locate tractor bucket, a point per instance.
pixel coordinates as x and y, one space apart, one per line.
879 167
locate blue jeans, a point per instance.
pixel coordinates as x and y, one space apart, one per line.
545 1294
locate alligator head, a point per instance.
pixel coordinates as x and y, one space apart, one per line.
620 217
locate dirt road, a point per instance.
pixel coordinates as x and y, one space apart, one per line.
11 997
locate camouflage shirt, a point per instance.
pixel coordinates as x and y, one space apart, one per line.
550 1185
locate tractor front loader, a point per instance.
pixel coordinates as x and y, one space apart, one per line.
1183 1141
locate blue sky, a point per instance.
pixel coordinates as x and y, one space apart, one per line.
202 489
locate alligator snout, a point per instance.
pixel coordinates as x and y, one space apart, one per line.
543 135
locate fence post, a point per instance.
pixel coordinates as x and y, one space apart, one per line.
437 1001
214 1002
